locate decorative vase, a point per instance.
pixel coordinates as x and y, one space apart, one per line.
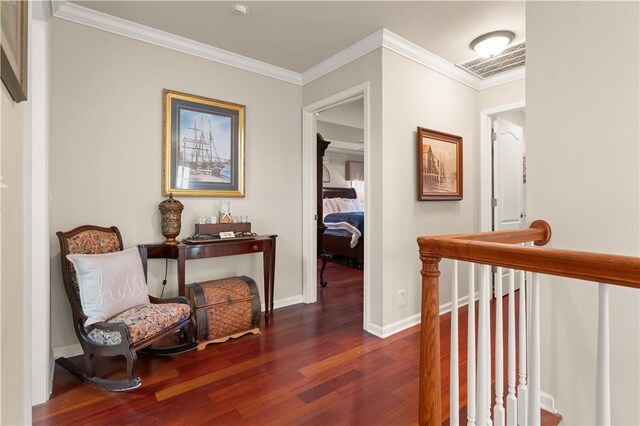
170 223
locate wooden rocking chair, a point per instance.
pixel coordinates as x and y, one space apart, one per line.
134 329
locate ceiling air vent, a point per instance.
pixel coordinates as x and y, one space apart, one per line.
511 58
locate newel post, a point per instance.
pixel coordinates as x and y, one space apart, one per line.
430 399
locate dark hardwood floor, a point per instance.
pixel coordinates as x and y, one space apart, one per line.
313 364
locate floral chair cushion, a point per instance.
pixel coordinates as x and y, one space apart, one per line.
142 321
91 242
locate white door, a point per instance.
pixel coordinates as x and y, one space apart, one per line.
508 181
508 148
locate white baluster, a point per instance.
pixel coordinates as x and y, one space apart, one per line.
522 353
498 408
483 329
471 350
534 354
512 402
603 397
454 398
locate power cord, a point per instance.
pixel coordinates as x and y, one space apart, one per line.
164 282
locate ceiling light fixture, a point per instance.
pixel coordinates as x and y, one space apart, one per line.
240 8
490 44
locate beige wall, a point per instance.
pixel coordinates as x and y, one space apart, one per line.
417 96
106 155
12 325
337 166
366 69
501 95
584 178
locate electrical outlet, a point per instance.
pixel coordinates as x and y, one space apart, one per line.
402 297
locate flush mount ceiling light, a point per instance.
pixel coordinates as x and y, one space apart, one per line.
240 8
490 44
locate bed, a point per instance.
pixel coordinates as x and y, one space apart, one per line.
338 238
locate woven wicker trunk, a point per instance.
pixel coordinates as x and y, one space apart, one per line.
224 309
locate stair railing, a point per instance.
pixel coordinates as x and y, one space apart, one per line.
512 250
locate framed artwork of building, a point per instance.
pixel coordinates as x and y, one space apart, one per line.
439 165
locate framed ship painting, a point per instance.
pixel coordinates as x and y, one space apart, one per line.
203 146
439 165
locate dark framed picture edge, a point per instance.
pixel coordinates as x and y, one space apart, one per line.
16 82
445 137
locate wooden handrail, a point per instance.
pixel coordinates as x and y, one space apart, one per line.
500 249
496 248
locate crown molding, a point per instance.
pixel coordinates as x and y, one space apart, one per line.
411 51
393 42
381 38
102 21
342 58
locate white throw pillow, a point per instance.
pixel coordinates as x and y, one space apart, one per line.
109 283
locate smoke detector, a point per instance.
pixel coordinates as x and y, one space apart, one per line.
240 8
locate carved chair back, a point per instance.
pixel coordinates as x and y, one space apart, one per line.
86 239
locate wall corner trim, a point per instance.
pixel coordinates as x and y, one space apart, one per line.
102 21
342 58
409 50
381 38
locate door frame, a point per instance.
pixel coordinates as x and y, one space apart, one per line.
309 182
486 178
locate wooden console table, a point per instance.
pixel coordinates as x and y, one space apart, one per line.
183 252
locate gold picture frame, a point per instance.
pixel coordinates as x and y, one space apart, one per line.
439 166
203 146
13 52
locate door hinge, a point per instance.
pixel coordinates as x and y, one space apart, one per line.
493 136
494 202
315 217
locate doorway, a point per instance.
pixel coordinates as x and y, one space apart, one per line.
514 114
309 182
503 172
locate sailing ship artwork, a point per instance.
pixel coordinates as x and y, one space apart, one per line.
203 146
440 165
204 153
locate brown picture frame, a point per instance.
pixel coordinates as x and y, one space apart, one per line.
13 51
439 170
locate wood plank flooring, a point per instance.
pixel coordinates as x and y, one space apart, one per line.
312 365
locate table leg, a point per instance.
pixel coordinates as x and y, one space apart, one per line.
181 271
272 268
266 266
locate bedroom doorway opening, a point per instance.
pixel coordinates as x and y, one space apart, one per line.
341 193
343 120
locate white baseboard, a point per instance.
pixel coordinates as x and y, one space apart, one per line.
547 402
397 326
67 351
409 322
286 302
446 307
375 329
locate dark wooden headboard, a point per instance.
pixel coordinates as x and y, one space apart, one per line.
328 192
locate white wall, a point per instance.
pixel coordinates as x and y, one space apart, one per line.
337 168
417 96
583 154
12 303
106 155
